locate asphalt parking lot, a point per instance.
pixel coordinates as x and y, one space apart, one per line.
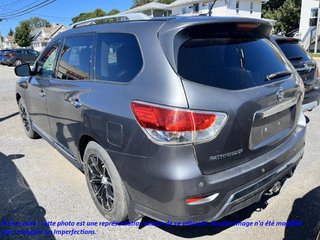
38 184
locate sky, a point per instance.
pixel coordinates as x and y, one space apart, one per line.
60 11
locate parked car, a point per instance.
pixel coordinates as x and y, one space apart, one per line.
19 56
2 52
175 118
306 67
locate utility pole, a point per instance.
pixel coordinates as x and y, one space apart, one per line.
317 31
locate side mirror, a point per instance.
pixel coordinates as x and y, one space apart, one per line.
23 70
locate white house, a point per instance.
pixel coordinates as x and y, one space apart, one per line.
152 9
8 42
308 20
243 8
41 36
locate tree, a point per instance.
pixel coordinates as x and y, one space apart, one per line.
96 13
36 22
272 5
11 33
285 12
137 3
22 34
113 12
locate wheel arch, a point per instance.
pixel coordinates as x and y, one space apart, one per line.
82 144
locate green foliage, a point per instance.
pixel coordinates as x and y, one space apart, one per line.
96 13
272 5
315 55
11 32
285 12
36 22
113 12
137 3
22 34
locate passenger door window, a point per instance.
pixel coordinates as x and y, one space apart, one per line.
75 58
45 66
119 57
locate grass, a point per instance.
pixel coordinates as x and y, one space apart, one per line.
315 55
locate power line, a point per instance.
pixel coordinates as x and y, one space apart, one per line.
32 14
9 4
56 17
28 10
19 9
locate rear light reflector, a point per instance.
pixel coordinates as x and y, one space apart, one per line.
201 199
166 125
195 199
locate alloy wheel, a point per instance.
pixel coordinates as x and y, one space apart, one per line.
100 182
25 118
17 62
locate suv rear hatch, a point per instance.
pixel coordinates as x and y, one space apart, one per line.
233 68
304 64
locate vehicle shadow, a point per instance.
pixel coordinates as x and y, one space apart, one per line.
307 211
198 231
18 204
9 116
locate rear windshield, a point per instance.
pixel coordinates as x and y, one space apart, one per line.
293 51
230 61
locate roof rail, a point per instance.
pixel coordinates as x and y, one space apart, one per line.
117 18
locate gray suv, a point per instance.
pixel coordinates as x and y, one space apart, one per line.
16 57
179 118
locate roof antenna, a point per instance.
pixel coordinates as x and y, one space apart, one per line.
210 10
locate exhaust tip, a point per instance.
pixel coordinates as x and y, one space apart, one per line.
274 189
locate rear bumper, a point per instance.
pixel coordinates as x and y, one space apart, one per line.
159 185
10 61
311 99
235 200
253 192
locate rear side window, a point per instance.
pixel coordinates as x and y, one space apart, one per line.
293 51
118 57
231 61
75 58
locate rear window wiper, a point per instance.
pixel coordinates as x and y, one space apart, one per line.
278 75
295 58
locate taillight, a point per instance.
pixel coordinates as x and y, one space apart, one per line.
10 55
166 125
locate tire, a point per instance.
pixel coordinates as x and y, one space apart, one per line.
26 120
318 232
104 183
17 62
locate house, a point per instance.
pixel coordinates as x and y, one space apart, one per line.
41 36
152 9
243 8
8 42
308 22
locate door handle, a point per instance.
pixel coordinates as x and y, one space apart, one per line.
76 103
42 93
